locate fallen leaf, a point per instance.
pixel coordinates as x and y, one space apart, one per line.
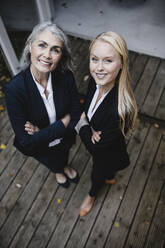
116 224
146 222
18 185
58 200
2 146
156 125
2 108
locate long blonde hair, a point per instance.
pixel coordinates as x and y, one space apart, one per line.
127 107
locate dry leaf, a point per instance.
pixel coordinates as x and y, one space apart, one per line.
116 224
58 200
2 146
18 185
156 125
2 108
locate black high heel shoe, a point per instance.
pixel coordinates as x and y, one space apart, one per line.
65 184
73 180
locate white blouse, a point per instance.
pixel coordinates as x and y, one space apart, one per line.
49 103
92 108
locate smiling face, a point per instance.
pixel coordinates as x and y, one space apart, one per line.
105 63
46 52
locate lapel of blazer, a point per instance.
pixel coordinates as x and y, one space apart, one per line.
57 87
36 102
106 105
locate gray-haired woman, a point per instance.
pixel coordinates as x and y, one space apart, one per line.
43 103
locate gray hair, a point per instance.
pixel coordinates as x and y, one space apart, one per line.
66 60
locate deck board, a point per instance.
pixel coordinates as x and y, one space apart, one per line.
149 201
36 212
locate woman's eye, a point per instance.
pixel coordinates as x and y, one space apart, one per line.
108 61
55 50
41 45
94 59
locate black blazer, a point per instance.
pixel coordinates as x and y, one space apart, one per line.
24 103
105 119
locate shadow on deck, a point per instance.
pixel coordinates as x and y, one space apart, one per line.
36 212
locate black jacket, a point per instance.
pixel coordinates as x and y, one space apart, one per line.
112 146
24 103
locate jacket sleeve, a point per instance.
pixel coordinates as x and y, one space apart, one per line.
109 136
75 109
16 106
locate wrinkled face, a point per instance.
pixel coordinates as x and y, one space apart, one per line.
105 63
46 52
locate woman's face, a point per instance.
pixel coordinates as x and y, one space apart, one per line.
105 63
46 52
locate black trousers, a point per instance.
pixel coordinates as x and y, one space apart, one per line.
54 158
101 171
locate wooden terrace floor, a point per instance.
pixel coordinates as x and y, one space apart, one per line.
36 213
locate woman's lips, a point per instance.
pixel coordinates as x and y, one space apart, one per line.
101 75
45 63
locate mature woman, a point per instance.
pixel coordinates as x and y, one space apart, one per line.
43 103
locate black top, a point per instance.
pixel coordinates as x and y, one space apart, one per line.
24 103
112 146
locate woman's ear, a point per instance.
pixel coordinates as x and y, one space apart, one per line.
30 48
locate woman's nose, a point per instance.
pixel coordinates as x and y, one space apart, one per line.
47 53
100 66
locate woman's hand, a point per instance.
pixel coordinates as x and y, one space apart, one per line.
30 128
96 136
66 119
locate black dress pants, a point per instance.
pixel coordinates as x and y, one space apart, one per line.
101 171
54 158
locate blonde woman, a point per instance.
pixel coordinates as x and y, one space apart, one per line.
110 111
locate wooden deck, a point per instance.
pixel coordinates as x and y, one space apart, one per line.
36 213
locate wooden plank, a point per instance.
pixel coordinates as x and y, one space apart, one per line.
14 192
131 199
3 120
114 198
138 68
39 207
148 202
75 44
74 149
10 172
22 206
57 209
71 213
160 111
156 233
154 94
145 82
36 213
6 133
81 59
132 58
6 155
83 226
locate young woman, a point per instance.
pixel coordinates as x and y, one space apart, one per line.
110 111
43 103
